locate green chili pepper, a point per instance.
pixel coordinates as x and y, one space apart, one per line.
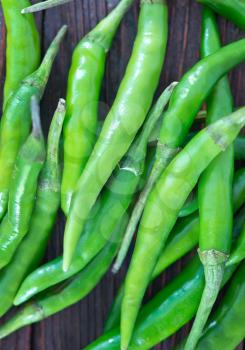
16 121
182 295
214 192
157 319
240 148
220 332
115 200
161 211
234 10
183 238
127 114
70 292
32 248
84 85
184 105
23 189
44 5
23 46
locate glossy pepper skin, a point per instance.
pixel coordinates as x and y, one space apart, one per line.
154 324
126 116
23 45
186 101
183 238
23 189
83 92
157 319
214 191
234 10
161 211
16 120
71 291
115 200
32 248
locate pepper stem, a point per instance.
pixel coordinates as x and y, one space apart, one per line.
153 117
105 30
43 72
214 266
44 5
55 132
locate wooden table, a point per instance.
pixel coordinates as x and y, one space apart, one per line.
75 327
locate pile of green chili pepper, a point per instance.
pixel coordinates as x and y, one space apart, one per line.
143 172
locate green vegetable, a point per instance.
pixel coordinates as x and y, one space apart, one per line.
186 101
234 10
23 189
183 238
126 116
44 5
16 119
220 333
23 45
71 291
164 204
83 92
214 192
115 200
32 248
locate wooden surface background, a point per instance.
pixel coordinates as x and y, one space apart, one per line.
75 327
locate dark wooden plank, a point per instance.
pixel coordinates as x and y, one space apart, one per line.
80 324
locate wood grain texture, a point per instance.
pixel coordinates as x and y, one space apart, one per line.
77 326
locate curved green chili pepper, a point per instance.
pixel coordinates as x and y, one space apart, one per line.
115 200
184 105
234 10
44 5
83 91
214 192
124 120
23 189
157 319
23 45
220 333
70 292
183 238
165 201
16 120
32 248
